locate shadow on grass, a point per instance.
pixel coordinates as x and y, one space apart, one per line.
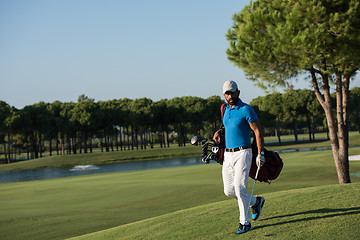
324 213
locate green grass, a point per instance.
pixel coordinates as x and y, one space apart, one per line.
74 206
324 212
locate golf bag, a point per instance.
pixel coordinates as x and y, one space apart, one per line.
272 167
210 151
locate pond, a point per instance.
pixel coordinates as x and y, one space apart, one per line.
49 173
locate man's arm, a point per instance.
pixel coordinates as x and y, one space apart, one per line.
256 127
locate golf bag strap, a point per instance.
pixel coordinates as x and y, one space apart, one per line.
222 109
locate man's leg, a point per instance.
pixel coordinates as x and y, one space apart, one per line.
241 176
228 175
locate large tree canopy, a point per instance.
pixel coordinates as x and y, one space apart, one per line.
275 40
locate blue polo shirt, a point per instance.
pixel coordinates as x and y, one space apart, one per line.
236 121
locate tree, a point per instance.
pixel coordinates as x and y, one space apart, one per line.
83 115
5 114
212 115
272 103
57 124
268 121
273 41
178 118
161 121
68 128
36 122
293 107
141 111
312 111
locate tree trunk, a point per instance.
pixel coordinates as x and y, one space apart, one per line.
90 146
145 139
62 144
128 137
57 144
136 138
9 150
167 137
313 129
40 145
295 131
120 137
33 146
160 139
85 137
116 140
308 119
68 144
163 138
6 158
278 132
50 147
27 149
179 136
152 140
342 96
74 144
339 145
106 139
132 138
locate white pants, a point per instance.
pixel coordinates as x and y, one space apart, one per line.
235 173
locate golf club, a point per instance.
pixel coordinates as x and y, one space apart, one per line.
256 176
195 140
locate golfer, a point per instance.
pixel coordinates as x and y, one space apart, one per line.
239 119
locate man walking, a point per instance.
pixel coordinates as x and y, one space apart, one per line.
238 121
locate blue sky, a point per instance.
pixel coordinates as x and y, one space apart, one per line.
59 49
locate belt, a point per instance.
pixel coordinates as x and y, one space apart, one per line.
237 149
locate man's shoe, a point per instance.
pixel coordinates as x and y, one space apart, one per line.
256 209
244 228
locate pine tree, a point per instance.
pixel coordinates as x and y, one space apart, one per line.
276 40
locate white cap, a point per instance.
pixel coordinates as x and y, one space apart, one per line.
230 86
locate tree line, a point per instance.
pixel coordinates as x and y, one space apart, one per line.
299 109
128 124
121 124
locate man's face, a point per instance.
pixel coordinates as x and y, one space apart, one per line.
232 97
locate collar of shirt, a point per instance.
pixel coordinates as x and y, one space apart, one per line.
237 106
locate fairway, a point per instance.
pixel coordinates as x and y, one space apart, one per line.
74 206
323 212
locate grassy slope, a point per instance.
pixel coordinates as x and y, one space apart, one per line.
68 207
323 212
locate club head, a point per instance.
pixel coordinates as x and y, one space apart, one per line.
215 149
195 140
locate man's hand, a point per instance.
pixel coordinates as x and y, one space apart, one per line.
216 136
260 159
